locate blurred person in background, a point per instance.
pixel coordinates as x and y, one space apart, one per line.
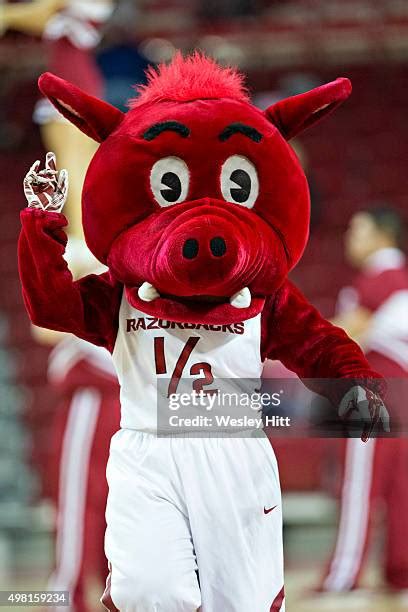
374 311
120 57
71 30
86 418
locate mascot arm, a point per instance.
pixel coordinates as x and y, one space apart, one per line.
87 308
327 360
298 336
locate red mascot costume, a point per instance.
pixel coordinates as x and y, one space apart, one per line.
199 207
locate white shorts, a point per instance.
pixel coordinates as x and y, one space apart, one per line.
193 522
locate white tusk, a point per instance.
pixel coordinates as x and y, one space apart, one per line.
242 299
147 292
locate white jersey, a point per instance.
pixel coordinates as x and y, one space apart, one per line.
148 349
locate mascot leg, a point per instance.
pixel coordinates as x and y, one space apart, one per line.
234 506
148 540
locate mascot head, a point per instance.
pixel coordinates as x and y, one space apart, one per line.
194 199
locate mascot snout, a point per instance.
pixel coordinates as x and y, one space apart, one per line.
200 248
202 255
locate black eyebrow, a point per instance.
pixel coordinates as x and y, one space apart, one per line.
174 126
240 128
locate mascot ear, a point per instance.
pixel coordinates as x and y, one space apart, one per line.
293 115
94 117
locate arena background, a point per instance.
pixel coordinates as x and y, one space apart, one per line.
356 157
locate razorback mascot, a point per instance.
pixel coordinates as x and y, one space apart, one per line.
199 207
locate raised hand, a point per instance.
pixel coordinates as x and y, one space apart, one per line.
46 189
363 409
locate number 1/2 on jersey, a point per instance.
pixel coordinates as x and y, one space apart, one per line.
197 368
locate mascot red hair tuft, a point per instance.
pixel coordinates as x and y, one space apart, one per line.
199 207
192 78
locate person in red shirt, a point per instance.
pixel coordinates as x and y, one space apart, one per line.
86 417
374 311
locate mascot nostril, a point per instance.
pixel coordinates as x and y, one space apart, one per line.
190 248
218 246
200 208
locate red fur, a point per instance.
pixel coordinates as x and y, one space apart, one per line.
294 115
191 78
96 118
52 298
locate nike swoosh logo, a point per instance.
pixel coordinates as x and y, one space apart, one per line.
268 510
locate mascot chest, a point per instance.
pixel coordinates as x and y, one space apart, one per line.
148 348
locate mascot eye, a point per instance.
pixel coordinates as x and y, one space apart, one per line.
239 181
169 181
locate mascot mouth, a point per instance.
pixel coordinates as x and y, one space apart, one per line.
204 309
241 299
235 263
